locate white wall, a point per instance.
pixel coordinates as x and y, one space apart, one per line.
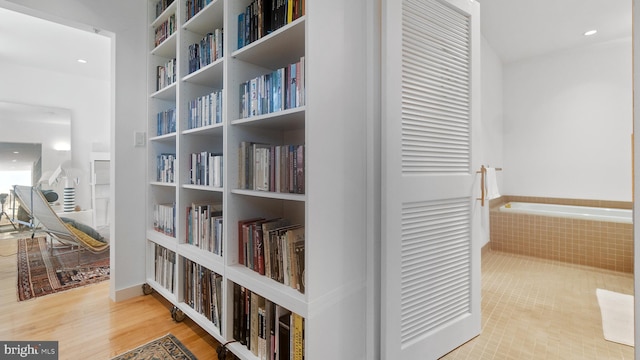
127 20
88 102
636 163
568 124
488 149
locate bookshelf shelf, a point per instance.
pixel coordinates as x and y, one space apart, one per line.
215 129
161 239
320 120
166 93
167 48
270 195
170 10
289 119
205 258
208 75
163 184
202 321
203 188
168 138
213 13
161 290
279 293
283 46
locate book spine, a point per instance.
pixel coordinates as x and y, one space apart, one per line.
297 336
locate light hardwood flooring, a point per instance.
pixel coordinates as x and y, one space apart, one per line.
85 322
531 309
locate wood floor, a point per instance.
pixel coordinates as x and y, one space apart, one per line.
86 323
532 309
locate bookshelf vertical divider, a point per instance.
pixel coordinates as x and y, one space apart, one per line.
306 270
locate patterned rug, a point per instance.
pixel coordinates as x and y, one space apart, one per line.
164 348
42 273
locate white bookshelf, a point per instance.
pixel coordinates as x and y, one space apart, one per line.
331 125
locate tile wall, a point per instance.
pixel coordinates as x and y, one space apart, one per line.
599 244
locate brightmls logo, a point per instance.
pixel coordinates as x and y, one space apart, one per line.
33 350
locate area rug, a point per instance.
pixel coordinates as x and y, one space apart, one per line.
164 348
617 316
42 273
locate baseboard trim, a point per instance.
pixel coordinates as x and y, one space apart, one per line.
485 249
126 293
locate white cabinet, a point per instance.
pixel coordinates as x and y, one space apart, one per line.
100 188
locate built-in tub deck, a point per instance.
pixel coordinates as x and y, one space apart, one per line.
584 235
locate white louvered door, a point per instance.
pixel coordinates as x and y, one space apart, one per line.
431 267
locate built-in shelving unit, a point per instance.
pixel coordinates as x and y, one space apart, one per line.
330 301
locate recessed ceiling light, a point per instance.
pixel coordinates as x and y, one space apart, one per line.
590 32
16 152
82 61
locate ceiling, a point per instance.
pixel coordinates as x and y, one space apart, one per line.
519 29
18 156
33 42
515 29
39 116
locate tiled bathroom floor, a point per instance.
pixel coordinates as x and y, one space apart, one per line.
541 309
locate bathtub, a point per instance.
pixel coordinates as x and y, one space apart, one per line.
592 236
569 211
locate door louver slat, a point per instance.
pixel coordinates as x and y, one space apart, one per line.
435 264
435 95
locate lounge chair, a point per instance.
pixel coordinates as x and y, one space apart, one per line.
67 233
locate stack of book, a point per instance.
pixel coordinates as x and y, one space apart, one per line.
165 267
166 122
203 291
269 330
205 110
274 248
164 30
194 7
261 17
162 5
276 168
166 168
164 216
276 91
208 50
166 74
204 226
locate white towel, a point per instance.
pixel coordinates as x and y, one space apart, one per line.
491 184
617 316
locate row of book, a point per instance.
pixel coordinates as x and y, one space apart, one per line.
194 7
205 110
274 248
166 168
276 168
276 91
165 267
164 216
166 122
269 331
203 291
208 50
204 227
164 30
261 17
206 169
162 5
166 74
